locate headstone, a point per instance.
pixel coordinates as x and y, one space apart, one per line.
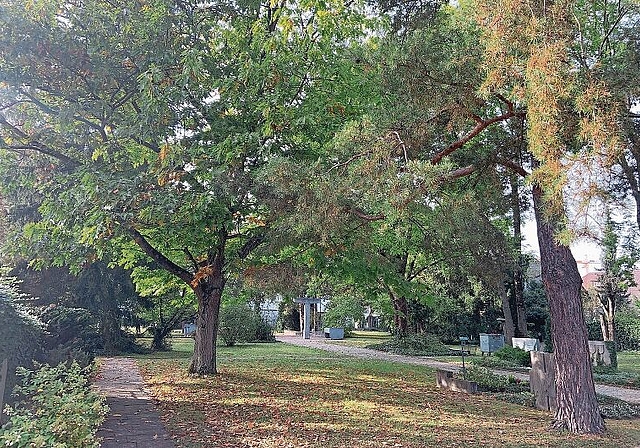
599 353
542 380
526 344
490 343
445 379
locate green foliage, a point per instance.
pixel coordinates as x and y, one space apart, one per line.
288 315
414 345
263 331
343 311
237 324
493 362
609 375
20 333
537 308
515 355
613 408
493 382
628 328
57 408
71 333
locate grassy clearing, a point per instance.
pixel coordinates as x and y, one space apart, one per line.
276 395
629 361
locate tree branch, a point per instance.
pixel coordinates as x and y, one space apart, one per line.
158 257
513 166
478 128
362 215
251 244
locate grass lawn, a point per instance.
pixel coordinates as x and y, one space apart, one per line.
276 395
629 361
359 338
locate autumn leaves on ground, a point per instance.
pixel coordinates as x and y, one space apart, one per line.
276 395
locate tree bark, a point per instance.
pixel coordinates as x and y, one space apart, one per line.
508 328
577 408
607 320
203 361
208 290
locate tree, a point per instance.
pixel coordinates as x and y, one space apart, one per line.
512 64
614 280
150 122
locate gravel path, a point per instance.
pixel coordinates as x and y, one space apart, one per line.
133 421
319 342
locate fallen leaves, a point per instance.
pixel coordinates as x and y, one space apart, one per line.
279 400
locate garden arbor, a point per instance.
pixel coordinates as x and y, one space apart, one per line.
307 302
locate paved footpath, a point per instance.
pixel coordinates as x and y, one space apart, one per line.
133 421
322 343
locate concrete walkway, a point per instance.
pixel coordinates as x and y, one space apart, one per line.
340 347
133 421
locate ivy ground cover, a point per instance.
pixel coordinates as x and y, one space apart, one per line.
276 395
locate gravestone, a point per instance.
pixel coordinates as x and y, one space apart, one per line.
599 353
526 344
490 343
445 379
542 380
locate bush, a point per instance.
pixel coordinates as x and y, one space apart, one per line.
343 311
414 345
515 355
71 334
628 329
237 324
57 409
492 362
493 382
20 334
615 409
263 331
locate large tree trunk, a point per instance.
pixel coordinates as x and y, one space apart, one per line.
203 361
508 327
400 314
577 408
208 286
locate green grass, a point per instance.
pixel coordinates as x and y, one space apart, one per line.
359 338
277 395
629 361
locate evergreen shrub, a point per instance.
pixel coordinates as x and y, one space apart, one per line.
514 355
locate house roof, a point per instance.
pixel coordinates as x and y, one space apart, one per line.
590 279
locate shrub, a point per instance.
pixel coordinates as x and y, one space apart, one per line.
263 331
56 409
20 334
492 362
628 329
71 333
415 345
617 409
237 324
493 382
343 311
515 355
